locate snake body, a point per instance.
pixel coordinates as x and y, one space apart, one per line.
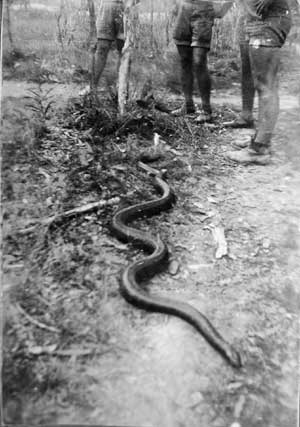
147 267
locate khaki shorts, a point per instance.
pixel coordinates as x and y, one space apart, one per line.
271 31
110 20
194 23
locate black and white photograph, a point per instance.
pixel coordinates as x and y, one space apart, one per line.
150 213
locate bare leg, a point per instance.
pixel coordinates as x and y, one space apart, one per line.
248 90
120 45
92 65
100 57
245 118
203 77
186 60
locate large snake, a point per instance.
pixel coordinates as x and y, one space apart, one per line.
147 267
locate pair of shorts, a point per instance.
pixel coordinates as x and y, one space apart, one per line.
271 31
194 23
110 25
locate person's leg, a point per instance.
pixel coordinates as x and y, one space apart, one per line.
182 35
119 30
265 65
109 28
202 22
245 118
99 61
265 40
120 45
248 90
202 76
186 62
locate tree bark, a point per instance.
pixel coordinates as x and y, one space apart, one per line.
1 26
62 24
152 26
124 70
8 21
1 53
92 15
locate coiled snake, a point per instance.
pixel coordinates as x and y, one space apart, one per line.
143 269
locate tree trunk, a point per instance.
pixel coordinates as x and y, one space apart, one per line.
62 25
8 21
124 70
152 26
168 25
92 15
1 38
1 26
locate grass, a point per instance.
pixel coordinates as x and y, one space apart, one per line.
35 34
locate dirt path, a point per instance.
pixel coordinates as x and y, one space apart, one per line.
164 373
62 92
171 377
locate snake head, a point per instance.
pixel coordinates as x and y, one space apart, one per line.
234 358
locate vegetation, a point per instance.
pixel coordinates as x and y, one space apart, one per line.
63 309
53 42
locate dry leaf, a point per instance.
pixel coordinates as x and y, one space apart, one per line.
239 406
173 268
219 236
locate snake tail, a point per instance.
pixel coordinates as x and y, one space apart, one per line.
139 271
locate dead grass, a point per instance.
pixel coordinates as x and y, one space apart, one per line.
61 283
43 56
46 57
66 276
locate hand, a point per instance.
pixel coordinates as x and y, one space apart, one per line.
254 28
221 9
131 3
260 5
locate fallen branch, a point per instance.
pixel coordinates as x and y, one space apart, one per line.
36 322
70 213
53 351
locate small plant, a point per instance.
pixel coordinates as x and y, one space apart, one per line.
40 102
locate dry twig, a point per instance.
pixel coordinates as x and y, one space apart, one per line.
72 352
70 213
36 322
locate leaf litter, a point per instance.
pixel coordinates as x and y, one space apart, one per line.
63 259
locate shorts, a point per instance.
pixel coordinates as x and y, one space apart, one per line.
271 31
194 23
110 24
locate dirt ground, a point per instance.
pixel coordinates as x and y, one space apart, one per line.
152 369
